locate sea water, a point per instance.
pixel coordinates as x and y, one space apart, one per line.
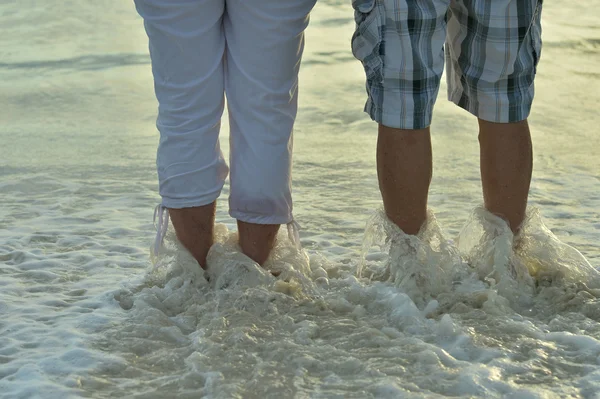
86 311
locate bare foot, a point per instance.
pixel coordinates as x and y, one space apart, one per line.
194 229
257 240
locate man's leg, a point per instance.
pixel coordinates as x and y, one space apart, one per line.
403 61
506 167
493 50
265 42
404 168
186 47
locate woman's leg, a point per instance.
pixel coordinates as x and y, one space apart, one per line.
265 41
187 46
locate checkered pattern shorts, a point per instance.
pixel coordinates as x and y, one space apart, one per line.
491 48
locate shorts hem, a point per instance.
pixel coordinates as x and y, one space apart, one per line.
397 121
482 111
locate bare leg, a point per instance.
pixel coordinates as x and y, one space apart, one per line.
194 229
506 167
257 240
404 169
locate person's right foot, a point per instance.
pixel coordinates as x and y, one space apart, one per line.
257 240
487 242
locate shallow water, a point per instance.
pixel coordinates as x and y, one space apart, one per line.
85 313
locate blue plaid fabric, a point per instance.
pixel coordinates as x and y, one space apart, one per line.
491 49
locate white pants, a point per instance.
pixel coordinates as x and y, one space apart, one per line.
249 50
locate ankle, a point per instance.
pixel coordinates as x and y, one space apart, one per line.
257 240
194 229
411 223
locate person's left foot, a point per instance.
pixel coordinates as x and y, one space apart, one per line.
423 265
194 229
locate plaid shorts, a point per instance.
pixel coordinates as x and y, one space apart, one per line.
491 48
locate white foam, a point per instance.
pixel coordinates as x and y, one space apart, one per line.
84 314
